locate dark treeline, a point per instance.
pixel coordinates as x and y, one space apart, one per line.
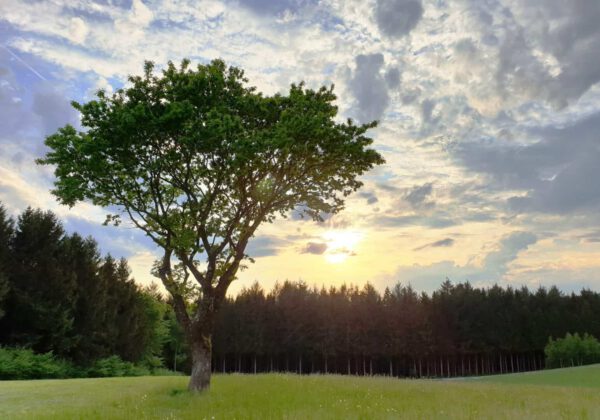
59 295
458 330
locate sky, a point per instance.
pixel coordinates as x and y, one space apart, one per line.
489 117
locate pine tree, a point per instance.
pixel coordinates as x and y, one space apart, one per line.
40 305
6 233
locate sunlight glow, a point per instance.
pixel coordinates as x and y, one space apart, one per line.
341 245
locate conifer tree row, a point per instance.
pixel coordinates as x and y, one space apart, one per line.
59 295
457 330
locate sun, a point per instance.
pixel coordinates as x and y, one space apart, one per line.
341 244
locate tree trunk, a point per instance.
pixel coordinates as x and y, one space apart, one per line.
201 361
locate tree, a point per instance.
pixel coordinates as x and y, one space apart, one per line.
198 160
572 350
6 232
39 310
90 301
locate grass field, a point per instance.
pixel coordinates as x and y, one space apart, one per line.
562 393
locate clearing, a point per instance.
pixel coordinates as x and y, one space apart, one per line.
560 393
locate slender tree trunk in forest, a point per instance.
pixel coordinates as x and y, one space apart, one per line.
224 360
300 365
175 358
348 358
326 370
370 367
255 364
391 368
420 369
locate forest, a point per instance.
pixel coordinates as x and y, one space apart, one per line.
458 330
59 294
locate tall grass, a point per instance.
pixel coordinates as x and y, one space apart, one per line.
298 397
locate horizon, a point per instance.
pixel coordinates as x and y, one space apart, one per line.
489 120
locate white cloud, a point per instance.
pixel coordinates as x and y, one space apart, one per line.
492 269
473 97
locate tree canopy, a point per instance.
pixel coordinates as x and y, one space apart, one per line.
197 159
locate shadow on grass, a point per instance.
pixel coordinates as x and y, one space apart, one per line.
179 391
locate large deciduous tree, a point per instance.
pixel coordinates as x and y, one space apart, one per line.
197 159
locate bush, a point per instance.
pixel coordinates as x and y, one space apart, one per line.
572 350
114 366
153 363
18 363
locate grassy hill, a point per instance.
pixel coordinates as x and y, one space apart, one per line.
583 376
562 393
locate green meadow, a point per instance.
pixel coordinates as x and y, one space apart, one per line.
561 393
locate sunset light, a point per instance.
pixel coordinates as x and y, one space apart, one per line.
341 245
274 193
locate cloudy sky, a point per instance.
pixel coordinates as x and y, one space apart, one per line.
489 121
